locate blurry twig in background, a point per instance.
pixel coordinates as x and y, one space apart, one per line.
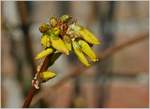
79 69
23 12
8 28
106 16
110 51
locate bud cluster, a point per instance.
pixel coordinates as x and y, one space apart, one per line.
64 35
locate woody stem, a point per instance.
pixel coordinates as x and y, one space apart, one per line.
48 61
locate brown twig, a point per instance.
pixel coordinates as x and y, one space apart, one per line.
29 97
32 92
25 26
79 69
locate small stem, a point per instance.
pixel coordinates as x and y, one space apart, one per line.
29 97
48 61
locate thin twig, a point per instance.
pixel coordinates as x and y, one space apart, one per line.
79 69
110 51
48 60
29 97
25 26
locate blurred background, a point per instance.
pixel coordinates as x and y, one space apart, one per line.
118 81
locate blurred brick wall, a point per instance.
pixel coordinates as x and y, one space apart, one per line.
128 94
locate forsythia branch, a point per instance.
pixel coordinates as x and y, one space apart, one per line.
79 69
61 36
48 60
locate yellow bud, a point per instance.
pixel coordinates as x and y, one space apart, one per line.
89 36
44 53
79 54
87 50
67 42
47 75
58 44
65 18
56 31
45 41
53 21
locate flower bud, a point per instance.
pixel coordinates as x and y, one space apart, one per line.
44 28
65 18
53 21
56 31
45 76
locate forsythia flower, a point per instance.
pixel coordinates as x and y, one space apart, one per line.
64 35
